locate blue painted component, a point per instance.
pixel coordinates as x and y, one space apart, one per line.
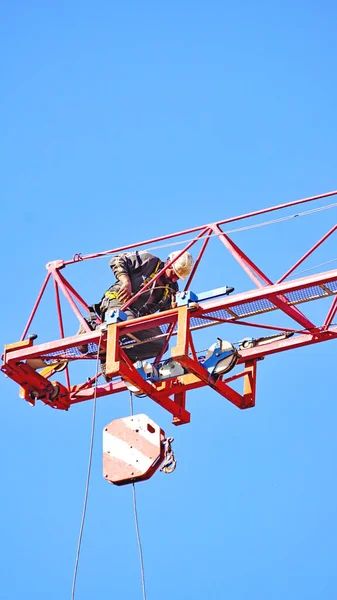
184 298
152 376
222 291
114 316
217 355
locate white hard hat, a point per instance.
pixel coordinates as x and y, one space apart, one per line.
183 265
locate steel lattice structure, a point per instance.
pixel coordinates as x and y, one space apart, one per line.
178 326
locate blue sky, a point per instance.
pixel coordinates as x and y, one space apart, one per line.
121 123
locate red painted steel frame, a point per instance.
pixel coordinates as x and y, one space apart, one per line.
171 394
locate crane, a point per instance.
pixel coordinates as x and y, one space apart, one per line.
167 380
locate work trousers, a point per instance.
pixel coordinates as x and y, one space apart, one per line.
144 350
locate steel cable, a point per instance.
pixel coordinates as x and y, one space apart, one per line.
137 524
88 475
226 232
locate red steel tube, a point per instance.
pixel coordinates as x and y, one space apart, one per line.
60 320
32 315
307 254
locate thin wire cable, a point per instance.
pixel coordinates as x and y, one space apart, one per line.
88 475
281 219
137 524
238 229
327 262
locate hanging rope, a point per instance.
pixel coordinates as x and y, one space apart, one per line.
88 474
136 522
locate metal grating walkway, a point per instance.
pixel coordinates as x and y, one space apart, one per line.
235 311
258 307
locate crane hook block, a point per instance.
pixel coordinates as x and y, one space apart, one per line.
133 449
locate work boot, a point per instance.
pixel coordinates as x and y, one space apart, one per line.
85 348
103 370
47 368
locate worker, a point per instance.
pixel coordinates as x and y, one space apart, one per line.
133 271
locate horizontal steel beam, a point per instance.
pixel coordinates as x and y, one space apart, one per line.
171 316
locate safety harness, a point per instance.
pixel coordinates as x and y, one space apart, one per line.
146 309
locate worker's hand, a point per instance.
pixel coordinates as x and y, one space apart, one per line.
125 291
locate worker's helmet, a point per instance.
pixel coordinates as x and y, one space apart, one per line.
183 265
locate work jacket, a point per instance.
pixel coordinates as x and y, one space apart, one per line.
141 267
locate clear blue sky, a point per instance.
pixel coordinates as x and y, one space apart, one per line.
120 122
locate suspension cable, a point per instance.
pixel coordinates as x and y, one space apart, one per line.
136 522
214 234
327 262
88 474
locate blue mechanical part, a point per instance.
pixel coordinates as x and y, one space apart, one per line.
151 373
184 298
221 357
222 291
146 370
165 370
114 316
